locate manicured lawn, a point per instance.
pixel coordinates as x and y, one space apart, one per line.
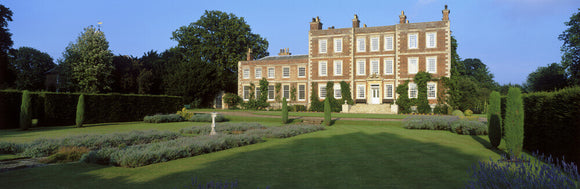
350 154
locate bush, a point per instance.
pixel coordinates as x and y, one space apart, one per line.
466 127
403 101
494 119
327 112
514 122
429 122
457 113
163 118
468 112
345 92
285 131
25 111
67 154
232 100
222 128
529 173
186 115
199 117
299 108
80 111
284 111
441 109
422 102
11 148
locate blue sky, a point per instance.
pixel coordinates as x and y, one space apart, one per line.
512 37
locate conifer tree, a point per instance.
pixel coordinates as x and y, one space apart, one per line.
80 111
494 119
284 111
25 111
514 122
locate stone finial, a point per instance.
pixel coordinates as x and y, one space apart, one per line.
402 18
445 13
355 22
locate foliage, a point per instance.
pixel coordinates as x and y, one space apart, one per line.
335 104
315 104
163 118
263 98
457 113
126 73
293 93
30 66
327 112
90 61
207 118
7 74
67 154
571 48
299 108
232 100
186 115
284 111
285 131
468 112
468 127
549 78
345 92
220 40
224 128
494 119
421 80
25 111
403 100
277 88
546 172
442 109
514 122
80 111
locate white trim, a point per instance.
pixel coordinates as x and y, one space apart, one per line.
434 84
358 92
256 75
375 62
299 76
413 86
358 66
359 41
427 63
298 92
244 92
320 91
385 66
273 72
284 91
320 63
387 91
337 64
413 69
387 47
337 48
322 46
284 73
378 42
246 73
273 92
416 44
428 39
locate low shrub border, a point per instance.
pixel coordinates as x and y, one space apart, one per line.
455 124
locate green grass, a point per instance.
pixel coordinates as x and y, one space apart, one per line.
350 154
8 156
335 115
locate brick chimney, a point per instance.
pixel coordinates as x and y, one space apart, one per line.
284 51
315 24
355 22
445 14
402 18
249 55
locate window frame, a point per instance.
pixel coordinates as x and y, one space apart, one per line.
320 89
337 87
303 67
337 64
434 84
256 75
416 68
411 89
378 44
273 72
387 91
416 41
273 91
322 50
284 91
387 47
385 66
284 75
320 63
257 91
304 91
358 66
378 66
428 39
246 73
360 48
337 48
434 58
358 91
246 96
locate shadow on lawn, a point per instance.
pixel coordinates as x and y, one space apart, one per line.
337 159
487 145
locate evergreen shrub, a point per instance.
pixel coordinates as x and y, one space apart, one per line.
284 111
163 118
457 113
25 111
494 119
514 122
80 111
327 112
468 112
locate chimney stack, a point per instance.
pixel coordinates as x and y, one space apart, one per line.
315 24
284 51
249 55
445 14
402 18
355 22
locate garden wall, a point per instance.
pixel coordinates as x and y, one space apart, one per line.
552 122
58 109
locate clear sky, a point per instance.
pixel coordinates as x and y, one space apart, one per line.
512 37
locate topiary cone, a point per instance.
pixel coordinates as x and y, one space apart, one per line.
80 111
494 119
327 112
284 111
25 111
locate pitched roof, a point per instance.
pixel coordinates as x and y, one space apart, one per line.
284 57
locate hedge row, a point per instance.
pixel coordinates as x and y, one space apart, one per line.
455 124
57 109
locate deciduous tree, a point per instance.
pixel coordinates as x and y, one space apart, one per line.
571 48
549 78
7 77
30 65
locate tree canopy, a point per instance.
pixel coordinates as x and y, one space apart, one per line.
571 48
547 78
89 62
6 76
220 40
30 66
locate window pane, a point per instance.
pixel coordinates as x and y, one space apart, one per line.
258 72
361 92
361 67
431 65
301 72
389 43
270 92
413 65
246 92
388 66
375 66
413 41
338 45
258 93
374 44
322 91
270 72
412 90
389 90
322 68
301 92
286 72
322 45
338 67
246 73
286 91
361 45
337 93
431 90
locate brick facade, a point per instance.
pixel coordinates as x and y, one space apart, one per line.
359 53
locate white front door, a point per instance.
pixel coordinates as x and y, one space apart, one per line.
375 94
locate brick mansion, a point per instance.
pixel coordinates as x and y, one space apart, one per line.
372 60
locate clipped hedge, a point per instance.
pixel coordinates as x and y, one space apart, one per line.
455 124
58 109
